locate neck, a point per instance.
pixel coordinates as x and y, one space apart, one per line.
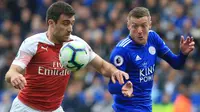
135 41
51 37
48 35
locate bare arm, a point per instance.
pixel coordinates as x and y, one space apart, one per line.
14 76
108 70
102 66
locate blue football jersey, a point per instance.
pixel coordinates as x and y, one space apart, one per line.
139 61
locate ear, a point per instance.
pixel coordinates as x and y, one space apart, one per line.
51 22
128 25
150 24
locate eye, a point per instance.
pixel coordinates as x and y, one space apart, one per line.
134 26
145 25
66 23
72 22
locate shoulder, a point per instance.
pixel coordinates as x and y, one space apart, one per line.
121 48
154 36
124 43
119 55
40 37
152 33
76 38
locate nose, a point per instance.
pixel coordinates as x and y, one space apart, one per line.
139 29
70 29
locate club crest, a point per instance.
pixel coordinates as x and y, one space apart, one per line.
152 50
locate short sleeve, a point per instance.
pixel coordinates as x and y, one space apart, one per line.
25 53
92 53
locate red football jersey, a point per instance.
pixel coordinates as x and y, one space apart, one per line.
46 78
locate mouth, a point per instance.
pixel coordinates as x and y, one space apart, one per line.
67 35
140 37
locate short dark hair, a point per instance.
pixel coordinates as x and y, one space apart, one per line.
139 12
58 8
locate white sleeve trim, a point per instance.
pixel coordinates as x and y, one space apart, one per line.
93 55
19 63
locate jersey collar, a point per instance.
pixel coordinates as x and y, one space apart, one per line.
134 43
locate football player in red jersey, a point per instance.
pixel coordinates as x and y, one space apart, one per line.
43 84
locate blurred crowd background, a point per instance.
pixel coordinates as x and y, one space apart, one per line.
102 23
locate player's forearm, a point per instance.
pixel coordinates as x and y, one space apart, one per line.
176 61
8 76
103 67
108 69
14 70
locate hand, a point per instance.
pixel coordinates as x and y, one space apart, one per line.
127 89
119 75
187 45
18 81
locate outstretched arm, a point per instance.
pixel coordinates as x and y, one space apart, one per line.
108 70
178 61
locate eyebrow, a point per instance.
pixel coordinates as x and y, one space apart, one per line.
141 23
68 21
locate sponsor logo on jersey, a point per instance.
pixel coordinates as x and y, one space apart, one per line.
118 60
137 58
152 50
146 74
144 64
44 48
56 69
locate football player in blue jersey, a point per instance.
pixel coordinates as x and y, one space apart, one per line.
136 55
